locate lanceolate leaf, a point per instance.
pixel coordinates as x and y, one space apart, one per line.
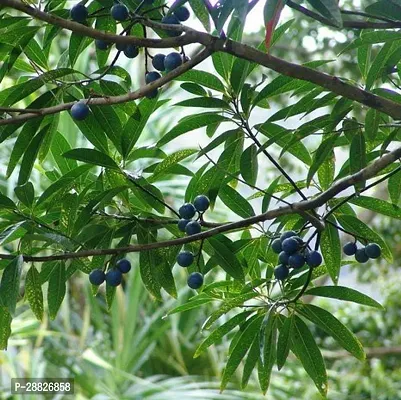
284 340
10 282
344 294
240 349
56 289
221 331
331 250
92 156
306 350
33 292
329 9
5 327
329 323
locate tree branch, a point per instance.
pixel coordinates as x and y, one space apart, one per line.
102 101
212 43
369 172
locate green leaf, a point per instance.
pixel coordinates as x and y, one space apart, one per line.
194 302
33 292
204 102
221 331
284 341
249 164
357 156
10 282
170 161
228 305
377 205
331 251
345 294
30 155
5 327
92 156
320 156
330 324
191 123
360 229
7 203
25 194
268 353
379 63
203 78
394 187
306 350
251 360
235 202
56 289
372 121
329 9
240 349
326 171
226 258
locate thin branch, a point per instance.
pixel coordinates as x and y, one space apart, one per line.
351 196
143 91
321 199
331 83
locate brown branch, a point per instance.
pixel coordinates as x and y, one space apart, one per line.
371 352
369 172
190 36
329 82
237 49
101 101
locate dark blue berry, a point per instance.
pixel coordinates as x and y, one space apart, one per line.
276 246
119 12
201 203
373 250
152 76
101 44
195 280
286 235
361 256
314 259
185 258
193 228
79 13
97 277
158 62
80 110
131 51
296 260
152 94
182 223
283 258
182 13
349 248
187 211
172 61
121 46
290 245
114 277
171 20
123 265
281 272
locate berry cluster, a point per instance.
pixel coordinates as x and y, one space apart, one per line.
362 255
188 210
161 62
185 258
293 252
113 277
